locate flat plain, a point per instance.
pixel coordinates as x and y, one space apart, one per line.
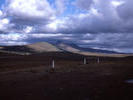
29 77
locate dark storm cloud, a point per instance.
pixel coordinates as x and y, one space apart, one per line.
125 10
30 21
116 41
126 15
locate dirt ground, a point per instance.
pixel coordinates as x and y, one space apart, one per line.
30 77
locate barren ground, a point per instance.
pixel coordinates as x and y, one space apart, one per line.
29 77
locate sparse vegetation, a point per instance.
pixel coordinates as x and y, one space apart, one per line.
29 77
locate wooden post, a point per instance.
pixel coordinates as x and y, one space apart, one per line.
84 61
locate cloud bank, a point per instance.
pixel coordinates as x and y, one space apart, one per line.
106 24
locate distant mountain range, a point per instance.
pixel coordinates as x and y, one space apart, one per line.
85 49
56 47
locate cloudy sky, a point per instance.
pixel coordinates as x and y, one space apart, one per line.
104 24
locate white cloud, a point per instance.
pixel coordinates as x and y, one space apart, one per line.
94 16
35 9
25 13
5 21
13 37
4 24
99 16
28 29
117 3
45 35
55 25
1 13
10 43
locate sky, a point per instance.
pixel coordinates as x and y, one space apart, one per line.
99 24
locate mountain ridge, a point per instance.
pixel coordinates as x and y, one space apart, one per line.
41 47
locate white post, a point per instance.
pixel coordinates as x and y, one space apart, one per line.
84 61
53 65
98 60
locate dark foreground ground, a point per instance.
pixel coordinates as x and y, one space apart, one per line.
29 77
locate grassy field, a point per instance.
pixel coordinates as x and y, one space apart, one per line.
29 77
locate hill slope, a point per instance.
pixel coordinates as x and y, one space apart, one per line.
59 47
43 47
89 52
32 48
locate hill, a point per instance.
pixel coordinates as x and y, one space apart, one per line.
59 47
43 47
89 51
31 48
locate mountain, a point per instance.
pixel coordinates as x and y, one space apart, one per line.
57 47
74 46
43 47
31 48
